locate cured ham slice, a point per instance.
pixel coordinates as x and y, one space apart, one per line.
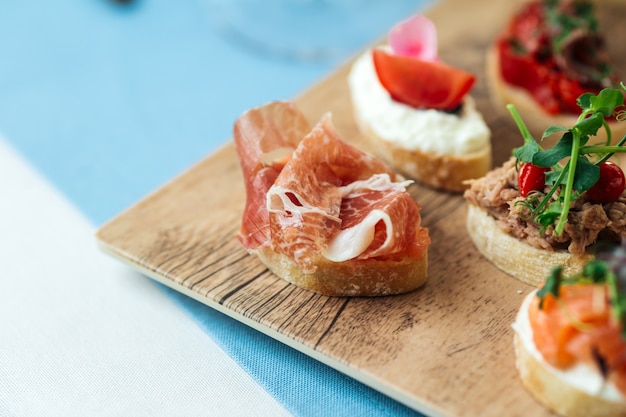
341 203
378 218
265 137
319 207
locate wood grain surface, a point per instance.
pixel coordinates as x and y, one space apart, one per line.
445 349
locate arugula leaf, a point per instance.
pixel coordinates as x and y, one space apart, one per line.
606 101
555 177
525 153
587 174
549 157
590 126
552 130
550 215
584 101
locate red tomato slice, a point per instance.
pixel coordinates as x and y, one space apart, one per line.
422 84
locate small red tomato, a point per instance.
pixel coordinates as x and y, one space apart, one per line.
531 178
418 83
610 185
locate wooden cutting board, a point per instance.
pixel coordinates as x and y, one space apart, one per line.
445 349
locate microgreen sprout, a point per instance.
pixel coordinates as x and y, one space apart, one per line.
573 162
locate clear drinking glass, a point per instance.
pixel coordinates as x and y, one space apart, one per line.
306 30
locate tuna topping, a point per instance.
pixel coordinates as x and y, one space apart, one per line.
587 222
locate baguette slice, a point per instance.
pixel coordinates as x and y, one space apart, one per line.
549 385
369 277
437 149
514 256
322 214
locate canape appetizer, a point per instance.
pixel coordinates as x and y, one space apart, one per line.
570 339
550 53
416 111
322 214
546 207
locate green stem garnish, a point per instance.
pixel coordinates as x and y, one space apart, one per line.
574 164
569 184
610 150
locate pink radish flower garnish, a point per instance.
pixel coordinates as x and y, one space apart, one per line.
416 37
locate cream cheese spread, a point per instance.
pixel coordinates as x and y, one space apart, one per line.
581 376
426 130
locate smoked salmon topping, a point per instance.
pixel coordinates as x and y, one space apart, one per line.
578 320
312 195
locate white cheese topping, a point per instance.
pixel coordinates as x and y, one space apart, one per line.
581 376
425 130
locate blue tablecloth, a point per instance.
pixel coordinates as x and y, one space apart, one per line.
109 101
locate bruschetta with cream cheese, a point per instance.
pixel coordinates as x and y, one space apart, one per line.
547 207
549 53
570 339
322 214
416 111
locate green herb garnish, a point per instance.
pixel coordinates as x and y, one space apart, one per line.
551 286
580 17
573 162
608 269
574 25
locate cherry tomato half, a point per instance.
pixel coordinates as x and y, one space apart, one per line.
531 178
610 185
